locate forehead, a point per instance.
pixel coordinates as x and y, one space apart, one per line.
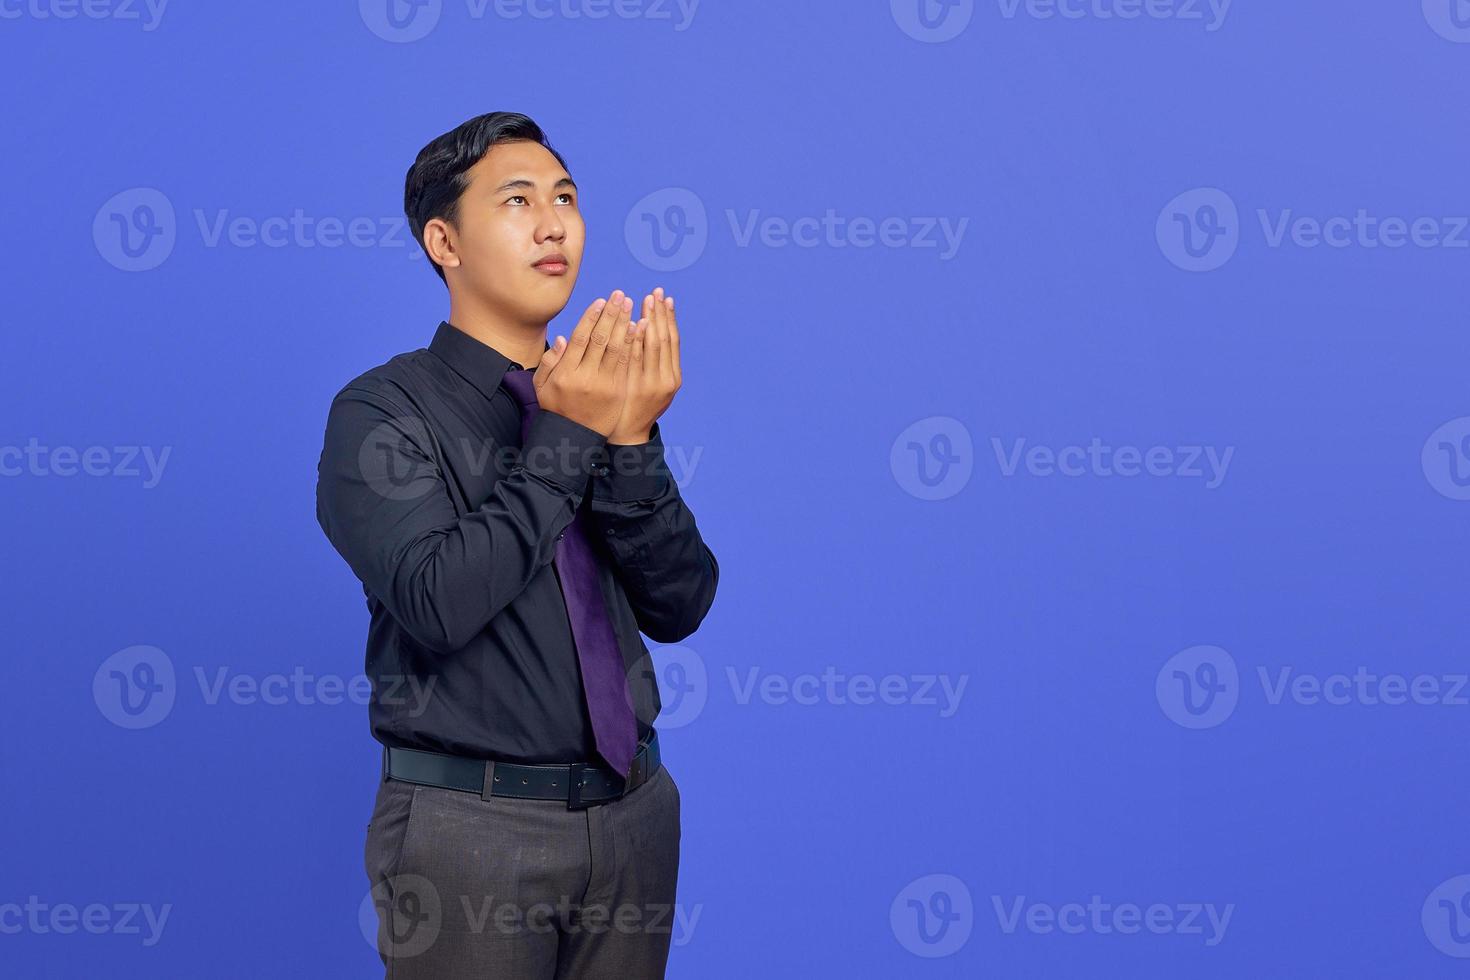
510 161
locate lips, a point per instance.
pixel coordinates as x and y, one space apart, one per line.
555 262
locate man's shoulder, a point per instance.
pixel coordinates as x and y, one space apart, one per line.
395 382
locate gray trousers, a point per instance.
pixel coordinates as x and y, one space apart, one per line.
523 889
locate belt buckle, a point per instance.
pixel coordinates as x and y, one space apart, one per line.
574 791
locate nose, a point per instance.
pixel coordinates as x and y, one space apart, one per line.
550 227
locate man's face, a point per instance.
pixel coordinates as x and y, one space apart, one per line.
520 206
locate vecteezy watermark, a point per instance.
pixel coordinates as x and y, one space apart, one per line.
933 458
63 918
832 687
136 230
136 688
399 459
147 13
1206 463
404 21
669 230
1209 13
404 915
1362 687
682 680
932 916
1450 19
1446 917
1199 230
1096 917
123 462
684 687
1200 687
1445 459
935 21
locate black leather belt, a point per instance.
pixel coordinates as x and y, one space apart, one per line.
580 784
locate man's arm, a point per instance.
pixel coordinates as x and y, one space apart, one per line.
384 505
668 572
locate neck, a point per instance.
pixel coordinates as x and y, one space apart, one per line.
521 342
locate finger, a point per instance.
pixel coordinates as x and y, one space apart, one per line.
615 357
661 319
652 343
636 361
674 342
639 361
550 358
577 344
601 335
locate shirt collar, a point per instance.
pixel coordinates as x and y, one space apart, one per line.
478 363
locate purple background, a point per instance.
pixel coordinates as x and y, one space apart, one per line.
1334 541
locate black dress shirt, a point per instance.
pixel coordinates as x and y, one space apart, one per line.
451 524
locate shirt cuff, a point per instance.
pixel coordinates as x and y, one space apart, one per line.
561 451
636 472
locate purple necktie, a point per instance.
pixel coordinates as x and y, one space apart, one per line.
604 682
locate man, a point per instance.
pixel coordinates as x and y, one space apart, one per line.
506 506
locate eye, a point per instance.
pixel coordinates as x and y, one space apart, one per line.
517 197
567 195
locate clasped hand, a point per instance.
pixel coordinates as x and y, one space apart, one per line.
614 374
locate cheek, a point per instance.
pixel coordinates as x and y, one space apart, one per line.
495 243
576 236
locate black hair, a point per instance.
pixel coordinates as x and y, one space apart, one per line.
437 179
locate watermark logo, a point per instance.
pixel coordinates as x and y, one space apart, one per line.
401 916
1199 230
1446 459
1205 463
1210 13
135 230
832 687
63 918
932 21
836 231
932 916
1446 917
1449 18
933 458
1201 686
148 13
1203 919
1198 687
400 21
36 459
392 462
667 230
405 21
683 683
135 687
1362 687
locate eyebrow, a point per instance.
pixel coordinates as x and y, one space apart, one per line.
520 182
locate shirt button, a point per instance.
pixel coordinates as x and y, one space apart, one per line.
609 532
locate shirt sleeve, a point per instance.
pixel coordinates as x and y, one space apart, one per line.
667 571
384 505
